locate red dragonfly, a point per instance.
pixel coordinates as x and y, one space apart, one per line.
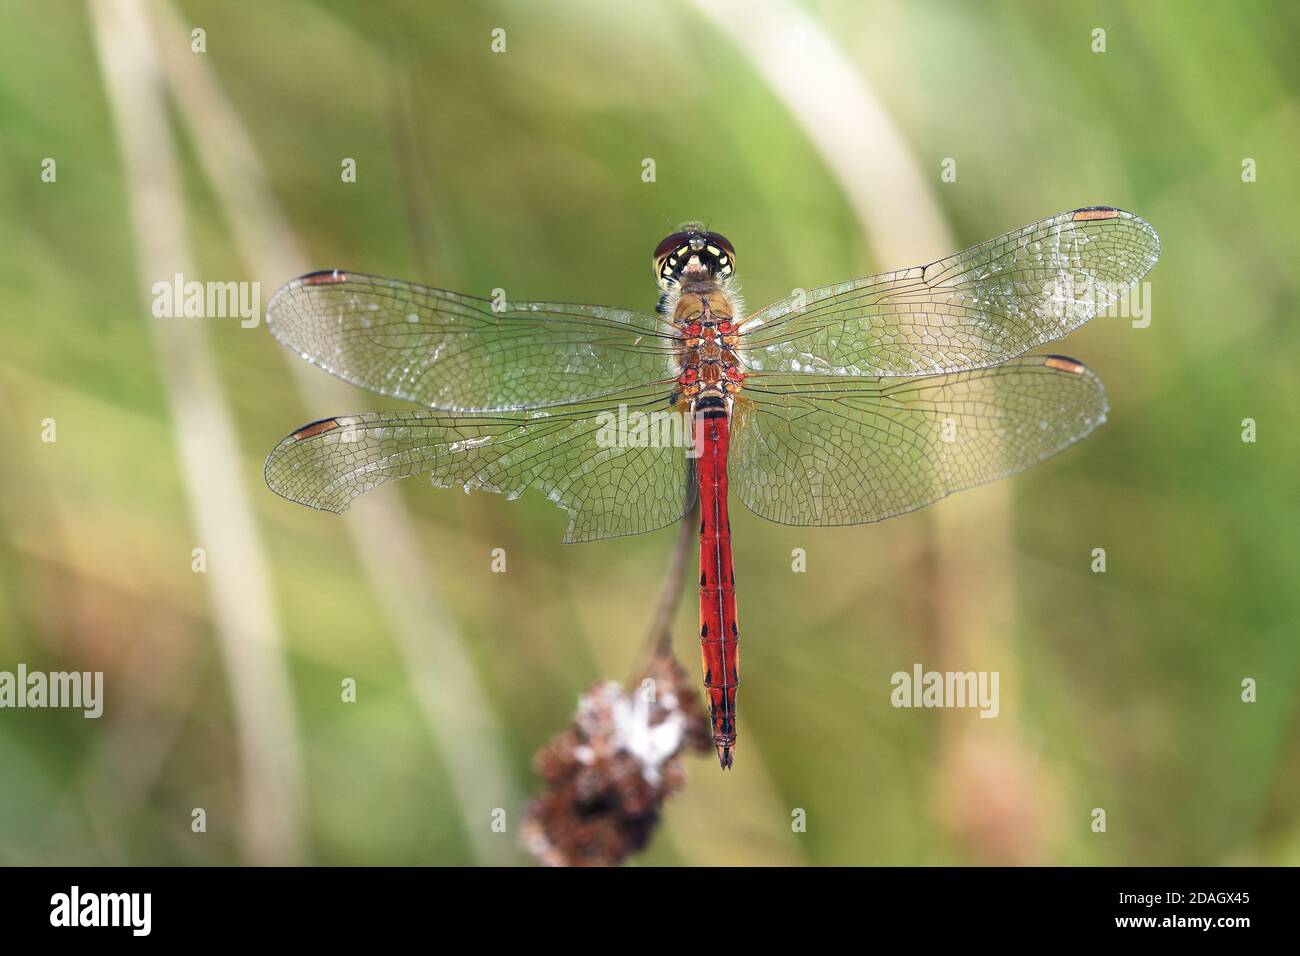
842 405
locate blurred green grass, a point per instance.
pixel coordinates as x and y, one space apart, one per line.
522 171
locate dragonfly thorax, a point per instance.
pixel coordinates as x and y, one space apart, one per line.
705 313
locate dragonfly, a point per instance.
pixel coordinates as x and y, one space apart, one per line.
841 405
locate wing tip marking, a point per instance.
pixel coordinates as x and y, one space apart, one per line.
1063 364
324 277
315 428
1095 212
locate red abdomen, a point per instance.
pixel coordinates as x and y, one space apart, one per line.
719 634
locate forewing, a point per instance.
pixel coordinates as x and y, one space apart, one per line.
611 482
810 450
974 309
453 351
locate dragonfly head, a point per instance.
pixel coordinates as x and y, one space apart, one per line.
692 250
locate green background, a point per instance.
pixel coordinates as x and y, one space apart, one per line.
522 170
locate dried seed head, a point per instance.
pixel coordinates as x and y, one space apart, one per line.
609 774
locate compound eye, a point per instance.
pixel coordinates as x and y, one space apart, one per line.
723 243
675 241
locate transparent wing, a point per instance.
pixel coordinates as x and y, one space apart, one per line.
812 450
452 351
972 310
612 480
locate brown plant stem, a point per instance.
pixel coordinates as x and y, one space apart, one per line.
659 637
